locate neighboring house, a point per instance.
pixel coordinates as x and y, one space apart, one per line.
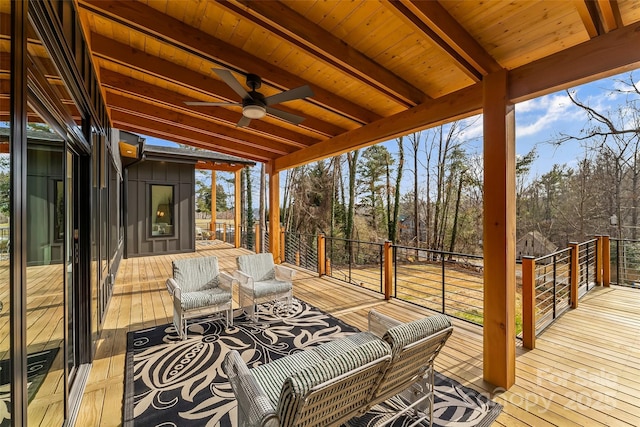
534 244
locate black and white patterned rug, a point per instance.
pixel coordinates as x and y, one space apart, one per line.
169 382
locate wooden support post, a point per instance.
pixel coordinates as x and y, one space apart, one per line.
529 302
499 232
388 269
298 258
274 213
599 260
258 242
237 208
606 261
283 255
321 255
575 272
327 267
212 225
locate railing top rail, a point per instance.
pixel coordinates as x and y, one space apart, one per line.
588 242
625 240
411 248
353 241
560 252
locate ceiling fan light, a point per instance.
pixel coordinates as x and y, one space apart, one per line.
254 111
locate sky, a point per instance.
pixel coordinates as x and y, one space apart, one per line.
539 122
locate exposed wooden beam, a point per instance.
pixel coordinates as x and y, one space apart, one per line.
219 167
411 19
226 136
589 15
609 21
143 125
299 31
601 57
449 31
118 83
154 23
463 103
113 51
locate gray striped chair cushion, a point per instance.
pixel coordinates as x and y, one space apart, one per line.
343 345
270 287
258 266
407 333
296 387
272 375
195 274
209 297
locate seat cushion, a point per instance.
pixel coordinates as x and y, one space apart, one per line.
206 298
258 266
270 287
400 336
272 375
196 274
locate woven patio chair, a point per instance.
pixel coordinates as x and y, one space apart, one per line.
261 280
199 289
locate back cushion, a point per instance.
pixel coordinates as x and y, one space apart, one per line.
407 333
258 266
195 274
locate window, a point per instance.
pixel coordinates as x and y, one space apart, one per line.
161 213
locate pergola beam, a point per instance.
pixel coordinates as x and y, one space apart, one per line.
226 137
147 20
453 35
294 28
463 103
118 83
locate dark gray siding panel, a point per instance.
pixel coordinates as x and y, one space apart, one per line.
182 177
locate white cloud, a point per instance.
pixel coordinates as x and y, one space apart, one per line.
538 115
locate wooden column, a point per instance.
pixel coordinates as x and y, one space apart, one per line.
258 238
499 233
237 208
529 302
575 272
322 255
274 213
606 261
212 226
388 269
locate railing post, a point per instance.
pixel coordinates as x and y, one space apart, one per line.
298 258
282 245
327 267
575 273
257 241
529 302
606 261
388 269
321 255
599 260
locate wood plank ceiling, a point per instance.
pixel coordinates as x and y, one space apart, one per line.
378 69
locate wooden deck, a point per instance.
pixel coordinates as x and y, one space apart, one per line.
584 371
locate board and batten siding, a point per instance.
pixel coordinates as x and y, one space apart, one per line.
140 177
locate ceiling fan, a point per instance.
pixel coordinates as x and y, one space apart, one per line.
254 104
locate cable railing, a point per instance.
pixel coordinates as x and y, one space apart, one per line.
356 262
301 250
447 282
625 262
587 266
552 287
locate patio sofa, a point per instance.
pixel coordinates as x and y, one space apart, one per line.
339 380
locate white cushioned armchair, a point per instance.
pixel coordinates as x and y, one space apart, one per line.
199 289
261 280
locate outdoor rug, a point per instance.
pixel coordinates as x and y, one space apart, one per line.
38 365
169 382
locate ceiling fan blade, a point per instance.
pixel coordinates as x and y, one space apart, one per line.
212 104
231 81
289 95
244 121
289 117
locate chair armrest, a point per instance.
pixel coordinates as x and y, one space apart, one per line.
252 400
244 280
284 273
174 288
379 323
226 281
